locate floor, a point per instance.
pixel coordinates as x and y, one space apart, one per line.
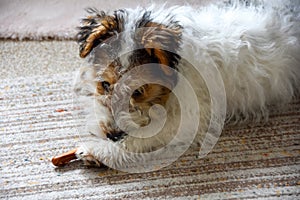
41 117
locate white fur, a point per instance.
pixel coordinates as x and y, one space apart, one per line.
256 50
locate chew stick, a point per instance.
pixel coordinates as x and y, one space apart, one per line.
64 158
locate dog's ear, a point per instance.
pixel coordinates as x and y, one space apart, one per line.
97 27
160 41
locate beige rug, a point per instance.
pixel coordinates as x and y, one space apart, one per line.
39 118
43 19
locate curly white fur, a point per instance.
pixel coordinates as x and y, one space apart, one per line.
256 49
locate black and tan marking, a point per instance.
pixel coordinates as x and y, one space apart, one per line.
98 27
155 44
161 41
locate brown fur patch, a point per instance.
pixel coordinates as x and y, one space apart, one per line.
108 76
153 94
107 24
164 41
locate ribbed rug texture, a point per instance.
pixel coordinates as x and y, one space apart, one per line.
40 117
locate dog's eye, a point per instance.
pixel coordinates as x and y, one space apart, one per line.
106 85
137 93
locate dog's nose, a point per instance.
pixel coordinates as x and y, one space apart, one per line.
116 136
106 86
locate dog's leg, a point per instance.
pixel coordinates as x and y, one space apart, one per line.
84 153
81 153
101 152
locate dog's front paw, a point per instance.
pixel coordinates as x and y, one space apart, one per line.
89 159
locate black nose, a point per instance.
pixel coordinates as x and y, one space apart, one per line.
116 136
105 85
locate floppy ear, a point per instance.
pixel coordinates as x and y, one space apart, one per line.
98 27
161 41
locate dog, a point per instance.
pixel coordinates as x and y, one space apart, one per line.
163 80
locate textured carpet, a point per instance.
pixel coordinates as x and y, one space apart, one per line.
40 118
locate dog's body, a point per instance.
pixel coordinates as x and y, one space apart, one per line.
254 49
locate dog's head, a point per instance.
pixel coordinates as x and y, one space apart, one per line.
152 44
